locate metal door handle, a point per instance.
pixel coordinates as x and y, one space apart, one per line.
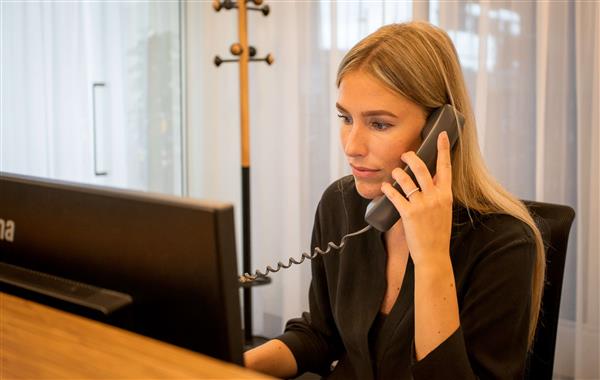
96 171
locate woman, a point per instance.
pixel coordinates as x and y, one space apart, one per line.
453 289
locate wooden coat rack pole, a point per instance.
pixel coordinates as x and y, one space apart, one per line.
246 54
245 141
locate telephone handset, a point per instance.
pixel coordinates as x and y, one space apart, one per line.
381 212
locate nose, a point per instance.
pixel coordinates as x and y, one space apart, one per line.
355 140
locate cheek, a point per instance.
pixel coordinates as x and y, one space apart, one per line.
393 153
416 144
402 145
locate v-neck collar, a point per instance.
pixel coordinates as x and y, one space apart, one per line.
402 307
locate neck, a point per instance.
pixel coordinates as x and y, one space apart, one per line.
395 239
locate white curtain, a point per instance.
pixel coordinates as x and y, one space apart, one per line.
38 81
532 73
532 70
586 355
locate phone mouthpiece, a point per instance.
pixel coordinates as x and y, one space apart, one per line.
380 215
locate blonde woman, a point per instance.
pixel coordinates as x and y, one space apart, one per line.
453 289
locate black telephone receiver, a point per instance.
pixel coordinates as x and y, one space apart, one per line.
381 212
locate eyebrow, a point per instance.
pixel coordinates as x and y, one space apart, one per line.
367 113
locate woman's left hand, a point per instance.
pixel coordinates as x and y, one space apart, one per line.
427 214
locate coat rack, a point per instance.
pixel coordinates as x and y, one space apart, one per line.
246 54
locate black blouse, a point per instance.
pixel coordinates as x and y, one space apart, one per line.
493 260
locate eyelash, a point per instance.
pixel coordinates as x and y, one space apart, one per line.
377 125
345 119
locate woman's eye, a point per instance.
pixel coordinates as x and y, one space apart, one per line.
345 119
379 125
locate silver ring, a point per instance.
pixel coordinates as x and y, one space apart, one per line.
412 192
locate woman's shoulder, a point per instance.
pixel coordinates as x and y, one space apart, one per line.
341 192
345 184
494 226
494 238
341 207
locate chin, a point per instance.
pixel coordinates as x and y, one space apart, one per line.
368 190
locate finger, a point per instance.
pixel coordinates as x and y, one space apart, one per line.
395 197
443 176
406 183
419 169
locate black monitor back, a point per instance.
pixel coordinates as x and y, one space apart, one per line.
174 257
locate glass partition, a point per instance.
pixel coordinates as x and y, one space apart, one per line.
91 92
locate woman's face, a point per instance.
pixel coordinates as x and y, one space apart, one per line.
378 126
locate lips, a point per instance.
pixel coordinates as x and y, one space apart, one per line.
361 168
363 172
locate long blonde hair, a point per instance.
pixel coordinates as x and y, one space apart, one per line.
418 61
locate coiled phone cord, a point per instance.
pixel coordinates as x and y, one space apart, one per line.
247 278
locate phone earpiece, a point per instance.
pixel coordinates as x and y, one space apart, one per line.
381 213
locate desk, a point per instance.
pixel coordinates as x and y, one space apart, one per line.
39 342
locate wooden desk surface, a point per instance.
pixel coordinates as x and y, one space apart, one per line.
39 342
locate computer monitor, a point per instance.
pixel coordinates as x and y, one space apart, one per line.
158 265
